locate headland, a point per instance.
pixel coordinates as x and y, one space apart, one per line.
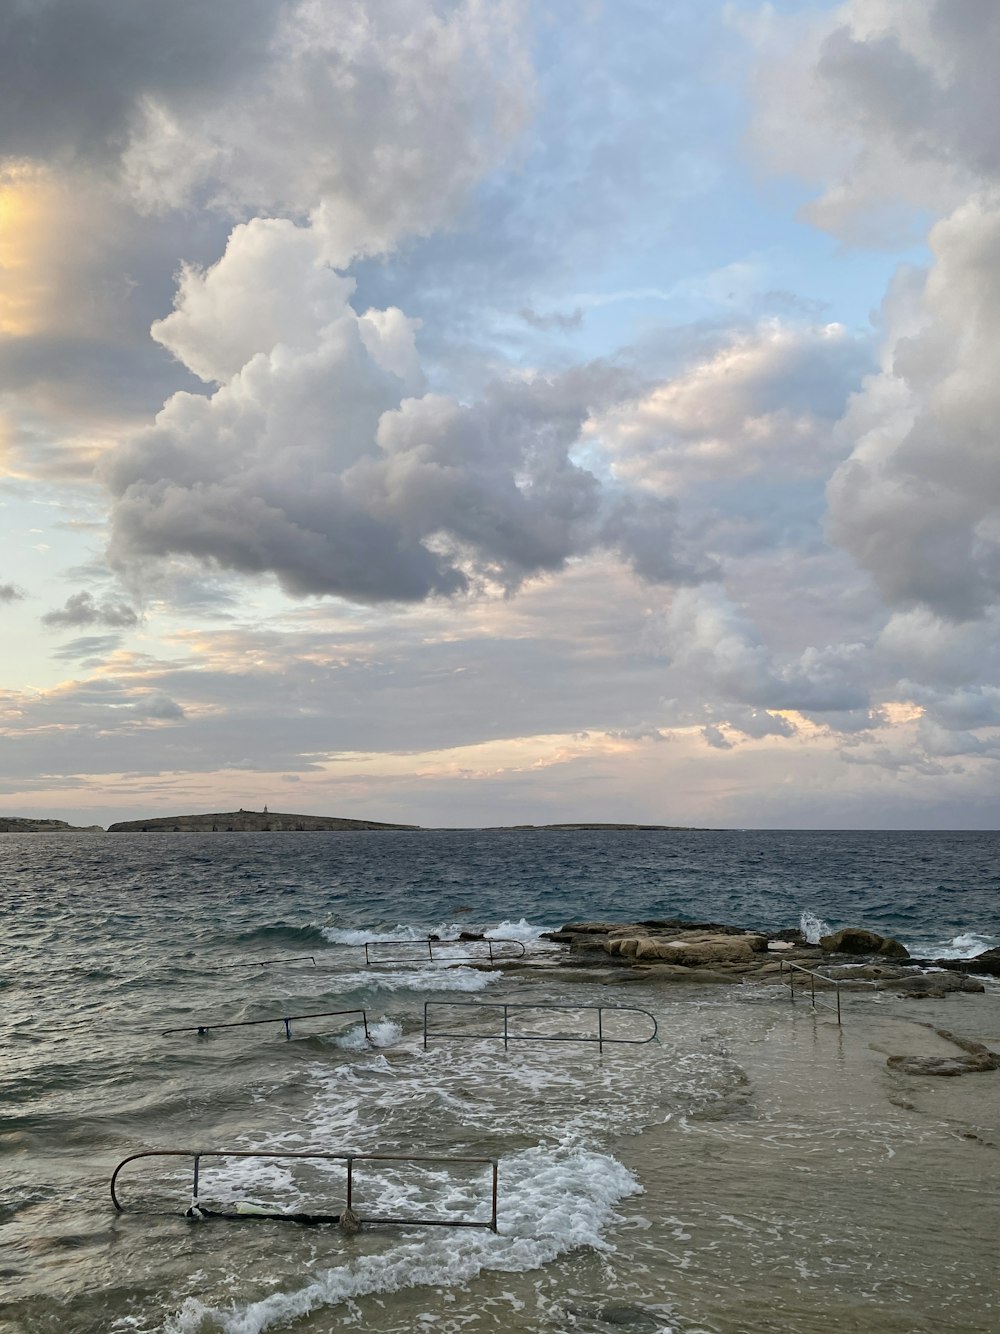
246 822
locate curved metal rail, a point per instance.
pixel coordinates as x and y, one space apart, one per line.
431 945
201 1029
600 1037
197 1210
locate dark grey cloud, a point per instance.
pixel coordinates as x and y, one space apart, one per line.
81 609
930 98
74 73
11 593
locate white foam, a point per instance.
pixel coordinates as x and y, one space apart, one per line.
522 931
812 927
964 946
383 1034
550 1202
337 936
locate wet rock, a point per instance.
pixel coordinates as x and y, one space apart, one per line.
978 1059
692 948
854 940
939 1065
932 986
986 964
672 972
618 1316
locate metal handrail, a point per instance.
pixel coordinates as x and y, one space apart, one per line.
430 944
266 963
276 1019
601 1039
794 968
197 1210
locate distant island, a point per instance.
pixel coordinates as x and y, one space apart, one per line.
265 822
245 822
13 824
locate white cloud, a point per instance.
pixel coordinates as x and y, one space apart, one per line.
710 637
767 399
890 104
376 120
917 501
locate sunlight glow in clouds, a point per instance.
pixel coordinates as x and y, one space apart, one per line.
345 487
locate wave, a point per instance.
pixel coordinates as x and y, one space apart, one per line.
522 930
283 933
551 1202
966 945
813 927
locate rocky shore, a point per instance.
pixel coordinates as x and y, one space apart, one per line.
674 950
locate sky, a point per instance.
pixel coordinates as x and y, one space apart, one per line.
485 412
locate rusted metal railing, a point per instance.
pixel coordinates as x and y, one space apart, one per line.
431 945
198 1210
287 1020
600 1037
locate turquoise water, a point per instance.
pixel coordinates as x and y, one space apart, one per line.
110 939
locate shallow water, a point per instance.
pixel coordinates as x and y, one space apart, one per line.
752 1169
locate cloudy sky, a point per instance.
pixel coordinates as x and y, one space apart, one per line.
494 411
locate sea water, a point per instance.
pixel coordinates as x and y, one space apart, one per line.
753 1168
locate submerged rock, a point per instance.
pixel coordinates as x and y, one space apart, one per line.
978 1059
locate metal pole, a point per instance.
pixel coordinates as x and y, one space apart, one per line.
350 1179
493 1216
600 1028
505 1028
288 1028
194 1187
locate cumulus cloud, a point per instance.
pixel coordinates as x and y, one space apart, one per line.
711 637
890 105
11 593
917 501
374 119
378 117
898 100
82 609
315 461
768 399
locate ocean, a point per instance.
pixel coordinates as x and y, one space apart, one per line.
753 1168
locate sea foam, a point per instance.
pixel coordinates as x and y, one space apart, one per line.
551 1201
